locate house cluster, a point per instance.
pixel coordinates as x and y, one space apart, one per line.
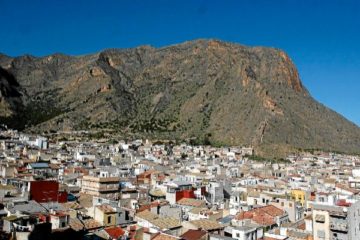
56 189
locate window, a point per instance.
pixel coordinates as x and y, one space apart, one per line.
282 204
290 205
109 219
319 218
321 234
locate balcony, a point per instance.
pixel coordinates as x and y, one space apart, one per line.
338 214
339 225
88 178
108 188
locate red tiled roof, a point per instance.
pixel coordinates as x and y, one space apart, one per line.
263 215
263 219
343 203
21 169
193 234
272 210
151 205
143 208
115 232
163 236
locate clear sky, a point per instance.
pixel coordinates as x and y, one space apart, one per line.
321 37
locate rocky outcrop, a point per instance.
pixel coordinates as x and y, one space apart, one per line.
10 97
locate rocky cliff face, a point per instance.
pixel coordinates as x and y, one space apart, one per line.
215 91
10 97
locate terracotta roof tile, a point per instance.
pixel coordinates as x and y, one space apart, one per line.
193 234
115 232
91 224
263 215
163 236
191 202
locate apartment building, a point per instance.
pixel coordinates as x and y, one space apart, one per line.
104 186
336 222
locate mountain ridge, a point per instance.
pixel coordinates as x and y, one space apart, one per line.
217 92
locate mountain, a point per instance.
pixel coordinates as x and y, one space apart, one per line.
216 92
10 95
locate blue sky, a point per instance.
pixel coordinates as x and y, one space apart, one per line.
321 37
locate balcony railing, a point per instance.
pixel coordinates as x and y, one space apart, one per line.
341 226
108 188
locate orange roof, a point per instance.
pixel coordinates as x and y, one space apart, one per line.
163 236
263 215
191 202
115 232
193 234
343 203
143 208
272 210
151 205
